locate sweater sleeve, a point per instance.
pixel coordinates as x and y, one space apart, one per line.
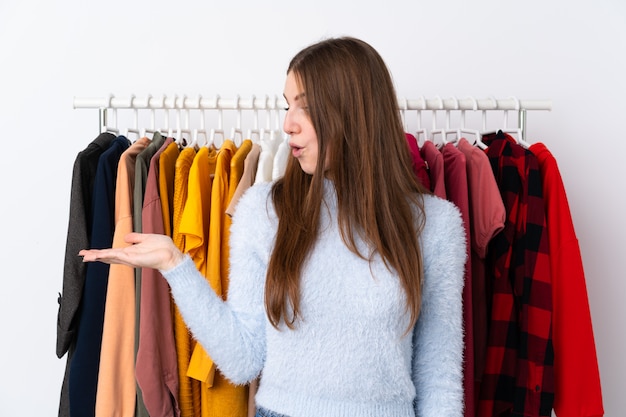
438 336
233 331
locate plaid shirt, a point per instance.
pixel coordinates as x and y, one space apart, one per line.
518 378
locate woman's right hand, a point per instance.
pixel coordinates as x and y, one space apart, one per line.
146 251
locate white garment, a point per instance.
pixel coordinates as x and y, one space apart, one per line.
280 160
269 144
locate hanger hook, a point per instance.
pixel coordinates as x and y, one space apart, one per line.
403 109
237 129
105 124
456 107
516 101
484 112
474 108
170 132
434 111
135 128
200 107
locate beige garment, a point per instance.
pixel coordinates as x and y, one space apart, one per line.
250 166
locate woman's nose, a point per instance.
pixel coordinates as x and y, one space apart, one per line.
289 125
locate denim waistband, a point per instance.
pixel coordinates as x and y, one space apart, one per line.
262 412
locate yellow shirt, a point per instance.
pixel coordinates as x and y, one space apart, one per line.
194 226
188 388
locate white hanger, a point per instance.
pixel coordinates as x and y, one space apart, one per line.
180 139
135 128
420 130
505 129
448 130
437 131
254 134
152 129
143 131
170 129
106 127
445 131
518 130
201 131
403 109
215 132
166 130
484 130
277 134
264 132
477 136
220 129
237 131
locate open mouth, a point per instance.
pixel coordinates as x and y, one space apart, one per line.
296 151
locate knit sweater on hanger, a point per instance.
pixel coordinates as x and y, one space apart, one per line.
349 356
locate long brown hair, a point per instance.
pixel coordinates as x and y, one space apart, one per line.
362 149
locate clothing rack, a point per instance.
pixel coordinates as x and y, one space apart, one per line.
183 104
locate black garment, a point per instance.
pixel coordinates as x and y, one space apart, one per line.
85 362
78 237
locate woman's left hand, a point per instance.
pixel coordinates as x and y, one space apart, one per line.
146 251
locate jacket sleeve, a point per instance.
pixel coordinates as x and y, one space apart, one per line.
438 335
232 332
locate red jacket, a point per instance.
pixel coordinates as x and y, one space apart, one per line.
577 379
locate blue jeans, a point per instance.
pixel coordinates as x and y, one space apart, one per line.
262 412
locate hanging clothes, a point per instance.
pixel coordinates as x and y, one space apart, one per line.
519 376
577 378
280 160
419 165
455 176
265 166
246 181
218 264
524 285
434 160
142 165
116 392
224 398
234 176
251 164
167 168
188 388
78 236
487 215
86 359
157 372
194 228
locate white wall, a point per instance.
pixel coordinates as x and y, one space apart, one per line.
571 52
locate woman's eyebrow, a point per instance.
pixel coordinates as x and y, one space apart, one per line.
296 98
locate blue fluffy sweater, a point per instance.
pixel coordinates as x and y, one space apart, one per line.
350 355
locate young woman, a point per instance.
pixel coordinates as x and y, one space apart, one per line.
346 276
